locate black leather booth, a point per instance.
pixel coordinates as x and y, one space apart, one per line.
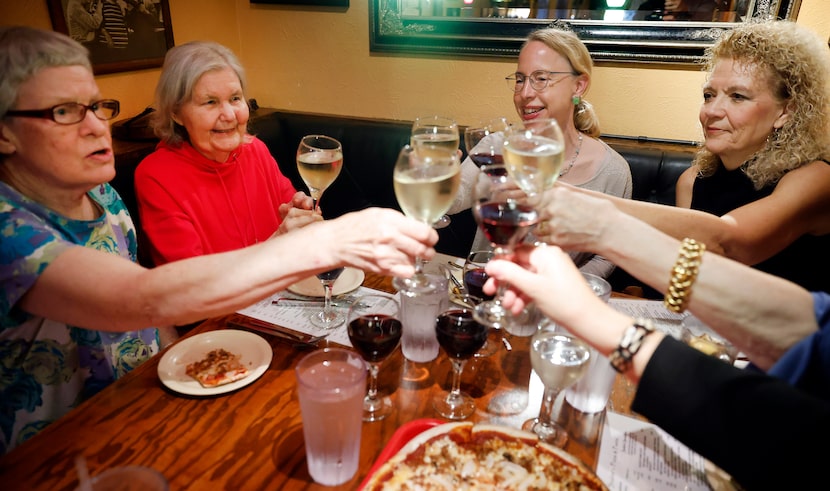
370 147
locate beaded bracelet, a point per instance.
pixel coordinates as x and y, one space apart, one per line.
630 344
683 275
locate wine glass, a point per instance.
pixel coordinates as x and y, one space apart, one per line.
474 278
484 142
319 160
425 185
559 359
533 154
435 135
506 215
375 333
460 336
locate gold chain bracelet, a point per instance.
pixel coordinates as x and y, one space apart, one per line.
683 275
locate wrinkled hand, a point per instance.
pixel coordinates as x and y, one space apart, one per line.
545 275
297 213
383 241
573 220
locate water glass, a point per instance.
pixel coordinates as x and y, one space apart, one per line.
418 312
331 383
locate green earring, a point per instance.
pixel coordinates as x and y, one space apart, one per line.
576 100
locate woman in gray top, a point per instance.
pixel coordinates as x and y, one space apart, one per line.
552 75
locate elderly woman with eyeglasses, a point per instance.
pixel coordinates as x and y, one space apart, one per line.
551 79
76 310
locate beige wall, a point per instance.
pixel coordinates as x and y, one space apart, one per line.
319 61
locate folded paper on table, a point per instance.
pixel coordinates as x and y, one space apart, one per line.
297 318
636 454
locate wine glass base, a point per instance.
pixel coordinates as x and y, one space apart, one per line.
454 407
508 402
415 285
493 314
328 320
376 410
551 433
442 222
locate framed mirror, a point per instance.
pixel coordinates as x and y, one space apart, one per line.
613 30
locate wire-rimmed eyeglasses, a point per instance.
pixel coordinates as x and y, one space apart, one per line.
72 112
539 80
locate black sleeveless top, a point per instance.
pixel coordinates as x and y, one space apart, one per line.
805 261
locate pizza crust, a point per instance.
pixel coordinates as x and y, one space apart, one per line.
464 456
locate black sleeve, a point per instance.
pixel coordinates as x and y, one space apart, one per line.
756 427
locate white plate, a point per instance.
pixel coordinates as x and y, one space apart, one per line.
254 352
349 280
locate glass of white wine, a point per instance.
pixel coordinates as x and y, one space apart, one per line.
559 359
425 186
533 154
435 135
319 160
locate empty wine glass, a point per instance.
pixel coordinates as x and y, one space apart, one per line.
533 153
319 160
460 336
425 186
484 142
559 359
375 332
506 215
434 135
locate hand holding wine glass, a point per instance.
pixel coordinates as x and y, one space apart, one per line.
319 160
425 186
460 336
435 136
506 215
375 333
559 359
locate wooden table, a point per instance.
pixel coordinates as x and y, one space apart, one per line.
251 438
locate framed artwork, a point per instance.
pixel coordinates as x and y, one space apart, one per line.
121 35
326 3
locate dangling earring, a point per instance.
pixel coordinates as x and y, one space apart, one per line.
576 100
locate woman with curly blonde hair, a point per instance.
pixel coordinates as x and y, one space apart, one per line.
759 188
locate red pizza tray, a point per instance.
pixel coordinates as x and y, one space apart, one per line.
401 437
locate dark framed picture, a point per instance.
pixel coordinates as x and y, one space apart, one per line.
326 3
121 35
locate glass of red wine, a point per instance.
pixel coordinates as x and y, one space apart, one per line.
460 336
474 278
484 142
329 317
506 215
375 333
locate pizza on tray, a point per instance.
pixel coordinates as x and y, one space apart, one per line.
218 367
464 456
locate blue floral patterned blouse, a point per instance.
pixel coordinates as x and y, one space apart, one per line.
48 367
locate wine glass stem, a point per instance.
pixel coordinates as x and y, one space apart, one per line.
548 400
328 287
419 266
372 393
457 367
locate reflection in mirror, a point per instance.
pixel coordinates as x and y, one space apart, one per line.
654 31
605 10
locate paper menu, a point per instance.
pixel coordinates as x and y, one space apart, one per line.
297 317
636 455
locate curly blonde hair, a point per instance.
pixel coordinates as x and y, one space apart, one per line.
796 64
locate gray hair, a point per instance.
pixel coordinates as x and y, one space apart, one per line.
24 51
183 66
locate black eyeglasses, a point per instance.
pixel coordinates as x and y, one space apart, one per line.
72 112
539 80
